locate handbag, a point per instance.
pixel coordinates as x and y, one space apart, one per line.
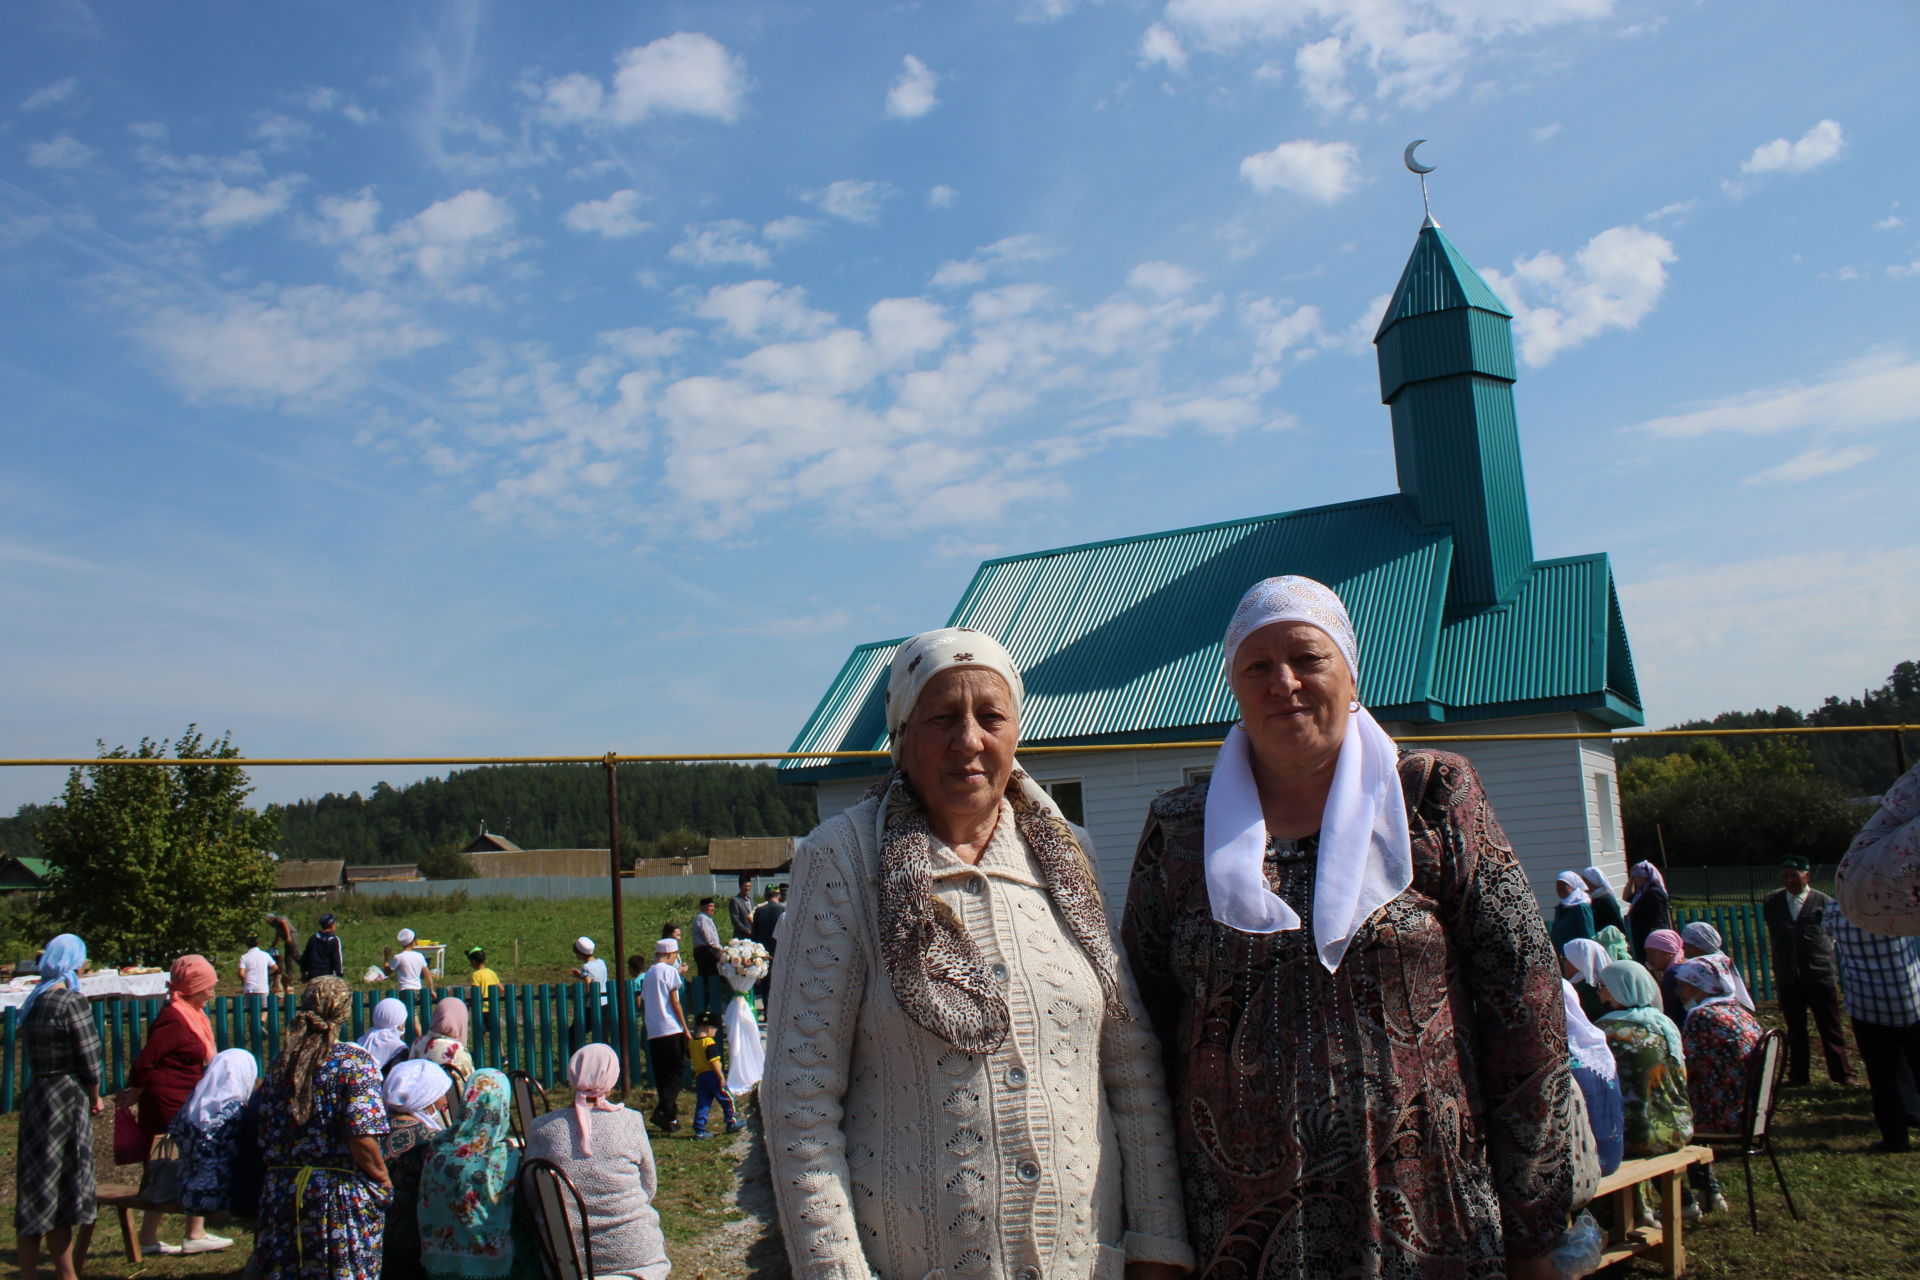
129 1140
160 1181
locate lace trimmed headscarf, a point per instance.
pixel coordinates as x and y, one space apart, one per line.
936 970
1365 850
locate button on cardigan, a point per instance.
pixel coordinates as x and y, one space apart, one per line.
896 1155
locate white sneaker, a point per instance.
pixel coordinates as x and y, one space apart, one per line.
159 1247
208 1243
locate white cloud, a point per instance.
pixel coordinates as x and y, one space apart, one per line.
1322 66
990 258
1816 147
1613 282
1873 392
789 230
62 151
1545 132
942 197
1416 51
51 95
216 206
1160 45
911 95
148 130
686 73
310 343
1323 171
757 309
1892 222
1904 270
1708 636
322 100
1166 279
728 242
281 132
1677 210
1818 461
443 243
615 217
852 200
1278 331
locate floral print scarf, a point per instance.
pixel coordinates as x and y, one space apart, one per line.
466 1189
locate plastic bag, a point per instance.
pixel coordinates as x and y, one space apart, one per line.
1580 1249
374 973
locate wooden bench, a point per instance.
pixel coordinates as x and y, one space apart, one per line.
1662 1243
124 1199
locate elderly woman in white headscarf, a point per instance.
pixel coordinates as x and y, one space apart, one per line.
959 1079
1361 1010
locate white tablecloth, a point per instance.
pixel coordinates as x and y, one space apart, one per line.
14 993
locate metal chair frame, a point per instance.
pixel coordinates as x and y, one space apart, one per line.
524 1086
539 1187
1756 1121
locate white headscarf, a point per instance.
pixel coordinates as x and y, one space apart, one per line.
1578 895
414 1087
1588 1042
229 1078
1365 851
925 656
383 1037
1588 959
1715 977
1597 881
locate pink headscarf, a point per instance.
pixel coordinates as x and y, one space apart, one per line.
1667 942
593 1072
192 976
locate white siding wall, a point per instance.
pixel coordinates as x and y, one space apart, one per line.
1542 792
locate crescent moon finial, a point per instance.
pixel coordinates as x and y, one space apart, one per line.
1414 166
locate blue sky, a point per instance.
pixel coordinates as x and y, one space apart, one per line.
478 378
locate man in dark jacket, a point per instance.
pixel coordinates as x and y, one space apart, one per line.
740 909
1804 971
326 955
765 921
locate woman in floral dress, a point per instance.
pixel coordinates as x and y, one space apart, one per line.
466 1191
1720 1037
1653 1070
324 1205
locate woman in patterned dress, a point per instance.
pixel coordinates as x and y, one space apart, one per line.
1652 1063
207 1131
1719 1036
466 1191
324 1204
1350 973
445 1043
53 1169
416 1108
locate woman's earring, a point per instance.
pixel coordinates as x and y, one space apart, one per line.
1353 706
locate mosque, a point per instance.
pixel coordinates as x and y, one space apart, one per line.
1462 630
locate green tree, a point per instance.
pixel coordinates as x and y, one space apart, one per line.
1711 806
446 862
678 843
153 861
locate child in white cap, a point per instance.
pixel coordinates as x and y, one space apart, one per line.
410 974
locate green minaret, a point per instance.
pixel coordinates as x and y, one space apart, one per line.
1446 371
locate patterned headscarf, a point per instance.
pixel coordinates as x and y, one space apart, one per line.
936 970
1628 982
592 1072
310 1037
1713 974
466 1187
193 976
1667 942
1649 877
59 966
1365 850
1577 895
1702 935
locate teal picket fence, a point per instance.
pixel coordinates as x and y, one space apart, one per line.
530 1027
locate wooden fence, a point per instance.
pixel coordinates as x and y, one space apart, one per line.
1742 936
532 1027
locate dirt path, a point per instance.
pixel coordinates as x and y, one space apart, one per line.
750 1248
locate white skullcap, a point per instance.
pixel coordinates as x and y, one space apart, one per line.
403 937
925 656
666 944
583 945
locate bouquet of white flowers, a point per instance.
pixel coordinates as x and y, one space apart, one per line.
743 962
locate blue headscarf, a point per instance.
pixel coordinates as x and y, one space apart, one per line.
59 963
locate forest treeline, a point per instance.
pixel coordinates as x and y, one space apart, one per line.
548 806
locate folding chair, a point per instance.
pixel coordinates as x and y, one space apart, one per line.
1756 1121
544 1188
524 1088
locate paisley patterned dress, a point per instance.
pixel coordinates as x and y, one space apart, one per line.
1408 1116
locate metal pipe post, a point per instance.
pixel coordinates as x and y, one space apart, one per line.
618 974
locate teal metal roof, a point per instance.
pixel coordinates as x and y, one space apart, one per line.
1437 278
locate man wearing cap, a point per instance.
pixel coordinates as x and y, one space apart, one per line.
410 974
325 956
1804 970
666 1031
594 970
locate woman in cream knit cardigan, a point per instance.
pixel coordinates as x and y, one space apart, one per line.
960 1081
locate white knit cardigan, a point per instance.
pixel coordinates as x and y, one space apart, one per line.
898 1156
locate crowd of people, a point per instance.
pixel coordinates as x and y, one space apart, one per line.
1336 1035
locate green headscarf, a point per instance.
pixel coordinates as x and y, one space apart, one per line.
1629 982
